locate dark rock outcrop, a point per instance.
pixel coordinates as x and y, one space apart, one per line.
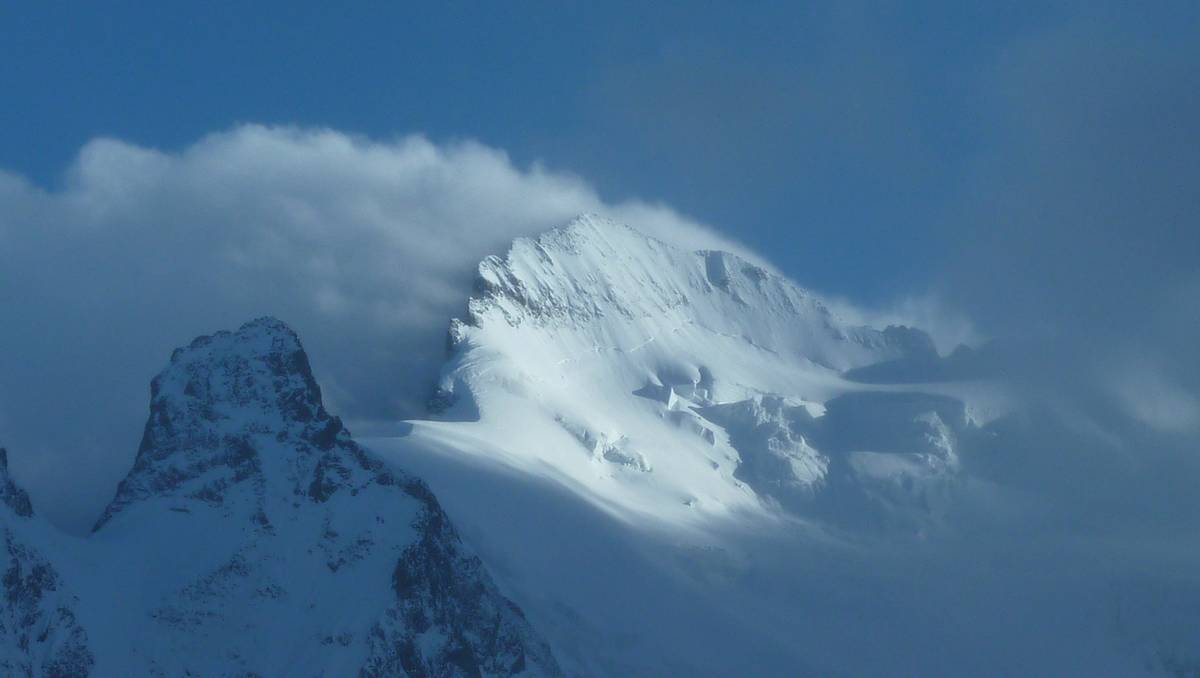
39 632
240 446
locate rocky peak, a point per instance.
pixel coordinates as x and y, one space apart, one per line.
221 402
281 516
12 495
259 369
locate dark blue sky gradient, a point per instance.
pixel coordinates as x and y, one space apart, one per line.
830 138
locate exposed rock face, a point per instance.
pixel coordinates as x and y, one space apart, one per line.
238 433
39 632
16 499
209 409
253 536
442 590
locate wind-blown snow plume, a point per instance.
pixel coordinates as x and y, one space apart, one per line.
367 248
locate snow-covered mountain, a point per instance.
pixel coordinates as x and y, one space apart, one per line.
661 462
680 463
253 536
686 385
638 403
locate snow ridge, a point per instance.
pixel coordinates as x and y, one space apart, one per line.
677 375
594 268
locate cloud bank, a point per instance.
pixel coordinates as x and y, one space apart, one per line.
1075 245
1072 239
366 248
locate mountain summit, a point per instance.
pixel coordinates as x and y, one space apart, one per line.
653 461
253 536
655 407
677 384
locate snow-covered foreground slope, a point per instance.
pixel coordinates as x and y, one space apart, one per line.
255 537
673 462
759 597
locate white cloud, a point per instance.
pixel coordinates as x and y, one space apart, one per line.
367 248
948 327
1151 398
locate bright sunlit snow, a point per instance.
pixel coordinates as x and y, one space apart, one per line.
658 453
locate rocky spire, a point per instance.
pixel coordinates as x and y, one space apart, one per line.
300 527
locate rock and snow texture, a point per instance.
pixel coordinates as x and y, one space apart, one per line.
667 398
672 462
253 536
39 632
680 463
681 384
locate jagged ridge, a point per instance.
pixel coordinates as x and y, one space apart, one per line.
254 536
594 268
238 430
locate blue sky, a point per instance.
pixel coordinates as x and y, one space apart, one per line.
832 137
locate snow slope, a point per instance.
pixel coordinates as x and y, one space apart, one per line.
670 463
675 463
253 536
677 386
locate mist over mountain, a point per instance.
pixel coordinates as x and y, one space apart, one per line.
591 339
632 456
367 247
739 454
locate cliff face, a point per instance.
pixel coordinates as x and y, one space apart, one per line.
40 634
254 536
